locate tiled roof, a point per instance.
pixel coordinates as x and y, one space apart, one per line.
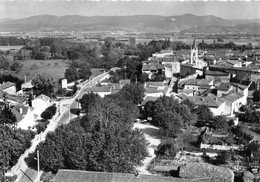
192 82
91 176
154 84
223 86
232 96
243 87
198 82
19 99
23 107
97 89
17 114
153 66
209 100
6 85
187 65
149 98
216 73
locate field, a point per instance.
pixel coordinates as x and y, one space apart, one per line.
5 48
31 68
56 68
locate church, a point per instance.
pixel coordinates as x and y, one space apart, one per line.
195 64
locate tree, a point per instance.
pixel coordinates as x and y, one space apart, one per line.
167 148
13 144
253 151
16 66
256 96
6 61
43 84
7 117
71 74
204 115
84 72
171 123
189 104
220 123
41 125
88 100
224 157
46 115
104 144
136 90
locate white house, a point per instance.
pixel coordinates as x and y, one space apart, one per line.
39 104
101 91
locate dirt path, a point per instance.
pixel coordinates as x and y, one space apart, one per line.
150 133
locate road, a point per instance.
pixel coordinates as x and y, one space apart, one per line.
62 117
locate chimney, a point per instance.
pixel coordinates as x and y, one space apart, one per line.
21 110
24 78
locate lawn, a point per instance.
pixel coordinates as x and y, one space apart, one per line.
56 68
31 68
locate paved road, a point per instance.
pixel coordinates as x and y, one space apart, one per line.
61 118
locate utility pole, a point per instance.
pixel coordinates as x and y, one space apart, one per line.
38 164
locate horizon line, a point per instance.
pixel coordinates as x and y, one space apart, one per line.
129 15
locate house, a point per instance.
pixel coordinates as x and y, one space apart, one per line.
250 73
64 175
101 91
8 87
234 101
171 68
13 99
21 110
234 63
215 104
152 69
197 85
39 104
149 98
187 69
156 89
217 75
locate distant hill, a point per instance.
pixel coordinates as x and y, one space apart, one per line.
143 23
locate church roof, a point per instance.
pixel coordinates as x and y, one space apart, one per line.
193 44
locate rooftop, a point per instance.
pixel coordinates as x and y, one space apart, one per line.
149 98
216 73
6 85
98 89
232 96
223 86
43 97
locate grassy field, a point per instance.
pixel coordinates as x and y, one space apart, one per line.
31 68
56 68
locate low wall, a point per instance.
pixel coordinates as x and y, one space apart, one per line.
218 147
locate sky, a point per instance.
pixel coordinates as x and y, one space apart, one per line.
224 9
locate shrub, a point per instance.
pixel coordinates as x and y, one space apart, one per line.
52 109
46 115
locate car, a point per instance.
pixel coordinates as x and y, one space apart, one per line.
138 120
144 121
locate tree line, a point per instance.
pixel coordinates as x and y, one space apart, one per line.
14 141
101 140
